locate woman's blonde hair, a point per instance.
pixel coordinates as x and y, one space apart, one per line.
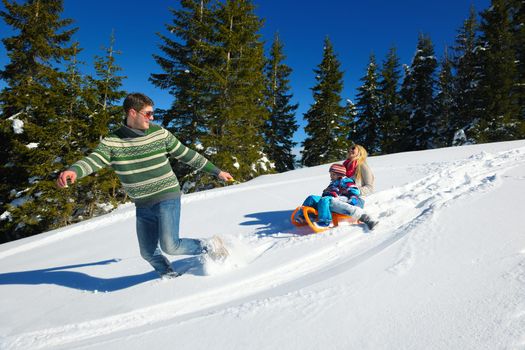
362 154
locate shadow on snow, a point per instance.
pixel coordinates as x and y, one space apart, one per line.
275 224
62 276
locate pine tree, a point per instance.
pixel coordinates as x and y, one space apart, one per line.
500 118
235 120
77 117
466 62
214 69
406 107
351 123
389 100
281 124
517 11
187 57
101 97
328 123
35 96
368 132
106 89
445 104
418 91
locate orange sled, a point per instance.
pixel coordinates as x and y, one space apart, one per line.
310 212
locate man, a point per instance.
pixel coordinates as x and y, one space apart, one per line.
138 153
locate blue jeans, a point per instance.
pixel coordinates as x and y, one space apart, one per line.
342 207
158 231
322 204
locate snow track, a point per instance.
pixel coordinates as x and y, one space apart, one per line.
408 215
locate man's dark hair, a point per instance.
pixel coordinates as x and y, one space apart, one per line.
136 101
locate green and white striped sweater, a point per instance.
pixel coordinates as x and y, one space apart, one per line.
141 162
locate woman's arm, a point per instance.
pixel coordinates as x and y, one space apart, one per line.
367 180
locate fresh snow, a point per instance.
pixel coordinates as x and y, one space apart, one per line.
445 269
32 145
6 215
18 126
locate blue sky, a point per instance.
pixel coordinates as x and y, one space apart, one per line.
356 29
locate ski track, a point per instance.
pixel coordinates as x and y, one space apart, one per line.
402 210
477 174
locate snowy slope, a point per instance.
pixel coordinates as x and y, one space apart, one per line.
444 270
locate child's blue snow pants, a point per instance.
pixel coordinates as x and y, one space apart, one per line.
322 204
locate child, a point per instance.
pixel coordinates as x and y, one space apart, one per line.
341 196
343 188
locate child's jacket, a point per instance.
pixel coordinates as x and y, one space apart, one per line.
344 187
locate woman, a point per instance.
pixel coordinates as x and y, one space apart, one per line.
358 169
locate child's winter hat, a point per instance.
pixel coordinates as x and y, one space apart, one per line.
338 169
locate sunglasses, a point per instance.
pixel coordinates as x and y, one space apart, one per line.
147 114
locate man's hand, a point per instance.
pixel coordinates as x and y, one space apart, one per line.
224 176
64 176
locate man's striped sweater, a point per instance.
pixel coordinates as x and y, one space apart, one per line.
141 162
